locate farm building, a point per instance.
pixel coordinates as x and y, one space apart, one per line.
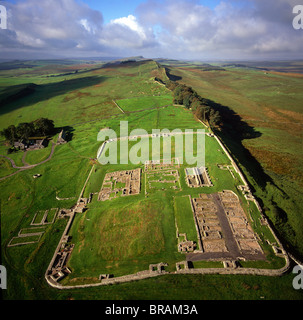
21 145
37 142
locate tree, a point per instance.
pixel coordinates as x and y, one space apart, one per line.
9 134
187 100
43 126
196 103
25 130
202 112
171 85
178 94
204 109
214 118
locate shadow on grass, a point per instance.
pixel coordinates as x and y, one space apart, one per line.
68 132
234 131
171 76
19 96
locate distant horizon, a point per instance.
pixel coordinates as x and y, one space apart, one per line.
104 58
194 30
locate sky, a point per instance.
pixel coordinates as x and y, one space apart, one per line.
204 30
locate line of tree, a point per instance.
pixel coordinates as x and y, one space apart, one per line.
188 97
38 128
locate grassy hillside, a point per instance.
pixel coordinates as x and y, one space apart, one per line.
270 104
76 97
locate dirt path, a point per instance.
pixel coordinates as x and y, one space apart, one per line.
26 166
13 163
23 159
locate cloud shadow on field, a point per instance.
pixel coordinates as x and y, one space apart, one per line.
19 96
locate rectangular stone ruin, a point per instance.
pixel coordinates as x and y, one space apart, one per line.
41 217
182 265
250 246
212 234
159 267
162 179
59 267
230 264
214 246
197 177
129 182
156 165
186 246
242 230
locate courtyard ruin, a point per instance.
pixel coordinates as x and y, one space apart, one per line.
223 228
162 175
244 235
208 224
120 183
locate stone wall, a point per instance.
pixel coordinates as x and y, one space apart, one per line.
148 274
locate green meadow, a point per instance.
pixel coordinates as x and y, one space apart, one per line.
118 236
143 103
184 217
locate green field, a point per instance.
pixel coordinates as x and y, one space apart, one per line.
123 236
184 217
143 103
118 236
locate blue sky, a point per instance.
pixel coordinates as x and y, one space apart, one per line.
179 29
113 9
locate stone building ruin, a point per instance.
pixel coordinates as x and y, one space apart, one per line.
120 183
197 177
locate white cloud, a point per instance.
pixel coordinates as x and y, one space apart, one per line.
71 27
53 25
125 34
233 29
131 23
172 28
